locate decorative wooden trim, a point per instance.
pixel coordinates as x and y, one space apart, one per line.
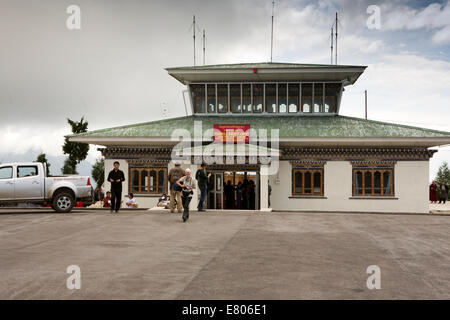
233 167
159 163
307 163
356 153
130 152
373 163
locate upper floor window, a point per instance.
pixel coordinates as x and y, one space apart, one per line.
293 97
211 98
271 97
285 97
198 94
222 98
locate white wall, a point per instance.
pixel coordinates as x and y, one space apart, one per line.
142 201
410 186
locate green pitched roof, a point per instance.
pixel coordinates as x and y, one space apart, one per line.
289 127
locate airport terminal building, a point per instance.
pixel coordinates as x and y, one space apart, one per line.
277 125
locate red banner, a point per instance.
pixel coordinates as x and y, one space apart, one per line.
232 133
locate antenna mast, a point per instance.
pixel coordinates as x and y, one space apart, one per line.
204 46
365 96
193 33
335 59
271 33
332 45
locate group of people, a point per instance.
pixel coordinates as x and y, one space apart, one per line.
241 196
441 189
182 185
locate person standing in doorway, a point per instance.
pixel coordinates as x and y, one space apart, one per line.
239 195
187 183
202 181
116 177
269 191
175 191
444 192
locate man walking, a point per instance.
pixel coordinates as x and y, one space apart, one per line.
175 190
187 183
202 181
116 177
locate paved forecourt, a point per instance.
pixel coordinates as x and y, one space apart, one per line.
216 255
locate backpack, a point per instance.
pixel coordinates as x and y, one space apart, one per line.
174 178
175 175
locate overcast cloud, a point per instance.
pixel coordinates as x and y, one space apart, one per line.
112 70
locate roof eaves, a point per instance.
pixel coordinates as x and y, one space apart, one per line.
125 127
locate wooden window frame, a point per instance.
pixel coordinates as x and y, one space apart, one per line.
372 171
148 169
312 171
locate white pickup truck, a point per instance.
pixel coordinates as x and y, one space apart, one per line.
28 182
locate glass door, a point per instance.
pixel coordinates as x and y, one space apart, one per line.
215 191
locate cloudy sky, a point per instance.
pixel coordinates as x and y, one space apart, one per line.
111 71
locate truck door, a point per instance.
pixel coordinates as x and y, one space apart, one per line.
28 183
6 183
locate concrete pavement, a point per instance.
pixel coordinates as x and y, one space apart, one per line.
239 255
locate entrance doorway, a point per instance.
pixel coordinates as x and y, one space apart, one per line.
234 190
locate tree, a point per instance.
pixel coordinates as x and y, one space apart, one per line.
69 167
443 174
77 151
41 158
98 172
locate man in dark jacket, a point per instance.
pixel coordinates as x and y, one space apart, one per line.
116 177
444 192
202 180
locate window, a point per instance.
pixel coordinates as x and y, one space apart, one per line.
318 97
6 173
307 181
222 98
198 97
306 97
282 97
332 92
26 171
247 98
211 95
293 97
376 181
235 98
271 97
258 97
148 180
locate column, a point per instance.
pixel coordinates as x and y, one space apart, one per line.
196 195
264 188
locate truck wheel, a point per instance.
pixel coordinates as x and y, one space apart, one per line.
63 201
